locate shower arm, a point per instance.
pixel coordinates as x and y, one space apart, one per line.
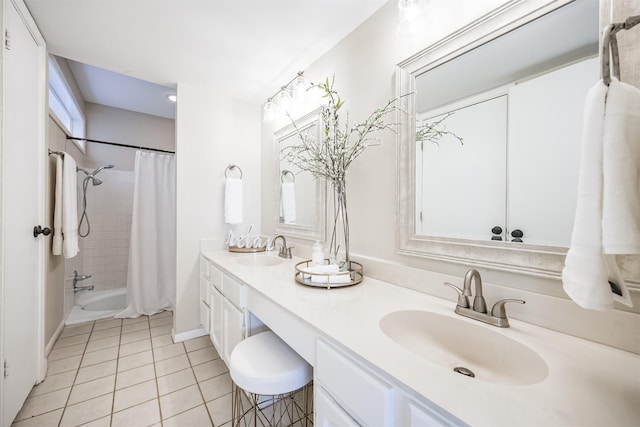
78 169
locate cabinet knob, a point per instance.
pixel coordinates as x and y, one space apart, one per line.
496 231
517 235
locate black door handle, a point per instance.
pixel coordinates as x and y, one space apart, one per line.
39 230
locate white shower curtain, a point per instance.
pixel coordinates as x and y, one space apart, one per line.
151 276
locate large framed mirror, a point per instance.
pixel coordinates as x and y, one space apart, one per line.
301 197
489 142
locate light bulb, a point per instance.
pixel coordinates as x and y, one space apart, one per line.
412 17
269 112
284 101
299 88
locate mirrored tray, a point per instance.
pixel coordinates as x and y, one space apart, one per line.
350 277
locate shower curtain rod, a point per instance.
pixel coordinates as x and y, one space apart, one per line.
117 144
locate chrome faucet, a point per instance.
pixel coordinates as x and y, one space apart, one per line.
498 316
284 252
77 278
479 304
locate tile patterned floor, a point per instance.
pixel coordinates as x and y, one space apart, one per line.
128 372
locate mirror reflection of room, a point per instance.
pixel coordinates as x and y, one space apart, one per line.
519 113
299 192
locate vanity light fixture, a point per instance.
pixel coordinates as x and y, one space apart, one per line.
269 111
280 102
412 17
284 100
172 97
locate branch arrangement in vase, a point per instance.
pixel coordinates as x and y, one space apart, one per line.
434 131
341 144
330 157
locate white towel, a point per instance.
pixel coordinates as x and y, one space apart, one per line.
621 170
233 201
69 207
289 202
56 248
320 274
587 271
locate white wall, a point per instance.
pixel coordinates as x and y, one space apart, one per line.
125 127
58 287
211 133
364 65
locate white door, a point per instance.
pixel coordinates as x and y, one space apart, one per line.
23 156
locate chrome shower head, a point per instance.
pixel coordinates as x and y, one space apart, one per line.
96 181
100 169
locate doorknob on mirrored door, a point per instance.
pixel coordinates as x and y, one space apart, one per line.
517 235
496 231
39 230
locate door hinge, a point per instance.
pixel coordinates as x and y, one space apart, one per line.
7 39
420 216
6 368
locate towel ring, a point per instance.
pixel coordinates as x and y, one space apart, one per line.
285 173
610 56
231 167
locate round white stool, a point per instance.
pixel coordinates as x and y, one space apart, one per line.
271 383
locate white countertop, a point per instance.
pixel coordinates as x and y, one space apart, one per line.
588 384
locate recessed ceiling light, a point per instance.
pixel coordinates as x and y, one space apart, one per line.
172 97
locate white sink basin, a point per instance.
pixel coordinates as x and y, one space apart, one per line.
456 343
261 261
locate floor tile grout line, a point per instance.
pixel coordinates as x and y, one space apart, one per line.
115 379
64 408
204 401
155 373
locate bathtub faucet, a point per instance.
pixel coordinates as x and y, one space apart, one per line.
78 277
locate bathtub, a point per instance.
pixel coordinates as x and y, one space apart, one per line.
94 305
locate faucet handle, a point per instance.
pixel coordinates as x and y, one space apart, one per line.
498 308
462 299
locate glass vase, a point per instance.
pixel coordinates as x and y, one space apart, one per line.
339 246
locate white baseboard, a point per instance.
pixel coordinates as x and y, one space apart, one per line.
183 336
53 339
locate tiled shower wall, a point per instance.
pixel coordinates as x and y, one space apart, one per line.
106 249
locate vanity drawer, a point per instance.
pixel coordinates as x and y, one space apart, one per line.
215 277
364 395
204 267
234 291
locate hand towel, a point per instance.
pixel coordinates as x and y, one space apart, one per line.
57 210
587 270
69 207
621 170
233 201
289 202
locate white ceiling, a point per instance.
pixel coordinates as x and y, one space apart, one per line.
245 49
105 87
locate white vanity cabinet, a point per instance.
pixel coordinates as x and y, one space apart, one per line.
327 411
224 308
359 392
348 393
215 327
205 309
